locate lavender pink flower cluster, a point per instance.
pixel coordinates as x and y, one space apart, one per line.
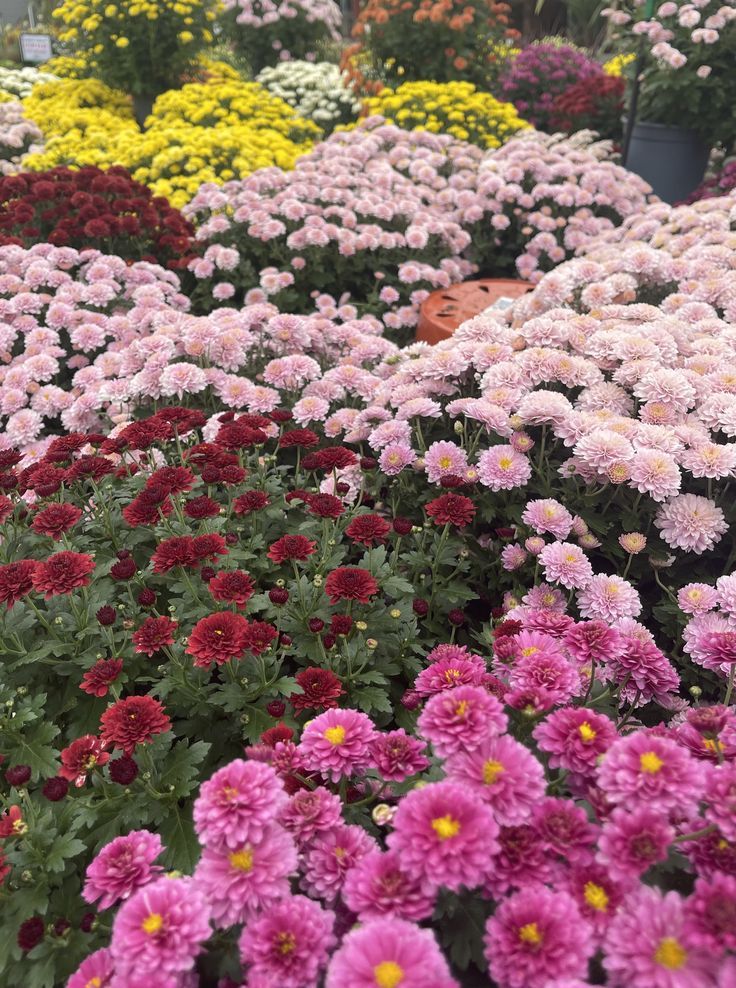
554 835
388 215
18 136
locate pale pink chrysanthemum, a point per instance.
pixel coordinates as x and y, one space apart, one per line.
504 774
691 522
121 867
543 597
602 448
647 945
548 515
444 459
180 379
726 591
632 542
395 457
608 598
502 468
655 473
238 804
567 564
513 556
712 460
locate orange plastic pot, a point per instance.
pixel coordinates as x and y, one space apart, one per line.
444 310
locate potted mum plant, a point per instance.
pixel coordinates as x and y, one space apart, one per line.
687 88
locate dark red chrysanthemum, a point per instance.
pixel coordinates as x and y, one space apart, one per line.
149 507
18 775
304 438
106 615
260 634
176 551
368 529
340 624
154 634
175 480
80 757
133 721
209 547
507 629
201 507
276 708
89 467
123 770
240 435
279 732
250 501
218 638
182 420
55 789
96 680
30 933
297 547
6 508
320 690
350 583
56 519
124 569
334 458
62 573
235 587
451 509
16 580
326 506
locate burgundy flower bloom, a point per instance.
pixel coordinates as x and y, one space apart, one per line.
299 437
250 501
451 509
175 480
208 547
16 581
350 583
368 529
278 595
326 506
320 690
30 933
56 519
6 508
96 680
154 634
334 458
218 638
62 573
55 789
235 587
123 770
80 757
201 507
135 720
177 551
18 775
297 547
124 569
259 636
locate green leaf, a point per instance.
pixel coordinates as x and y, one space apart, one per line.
65 846
370 698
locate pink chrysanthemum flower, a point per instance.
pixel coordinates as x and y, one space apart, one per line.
444 459
697 598
543 597
710 914
238 883
123 866
537 935
721 799
395 457
337 743
596 894
633 840
330 857
522 860
575 738
238 804
644 768
548 671
378 886
389 953
609 598
459 719
289 944
513 557
445 835
567 564
95 970
397 756
446 674
548 515
504 774
691 522
160 930
310 812
592 641
565 828
726 590
646 945
502 468
448 650
643 671
655 473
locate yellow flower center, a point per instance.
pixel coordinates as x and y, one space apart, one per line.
712 745
335 735
451 675
445 462
595 896
650 762
152 923
94 982
571 558
491 772
388 974
461 708
670 954
529 933
285 943
505 462
242 860
529 650
340 853
446 827
586 732
229 792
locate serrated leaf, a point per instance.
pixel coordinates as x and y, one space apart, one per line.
65 846
370 698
